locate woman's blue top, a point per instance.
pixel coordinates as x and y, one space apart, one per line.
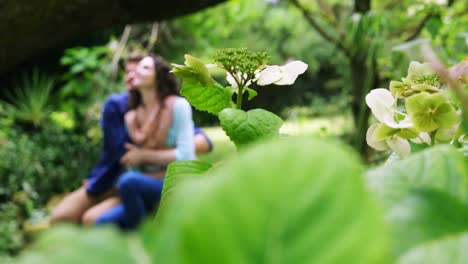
180 135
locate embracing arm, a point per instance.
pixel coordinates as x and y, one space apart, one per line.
106 171
184 150
136 135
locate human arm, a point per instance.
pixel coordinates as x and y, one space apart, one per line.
184 141
203 143
136 134
103 176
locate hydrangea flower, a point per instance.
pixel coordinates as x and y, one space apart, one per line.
281 75
427 116
431 111
421 73
399 145
383 107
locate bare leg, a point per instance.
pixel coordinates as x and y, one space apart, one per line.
72 207
91 215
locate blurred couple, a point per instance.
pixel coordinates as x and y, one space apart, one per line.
144 129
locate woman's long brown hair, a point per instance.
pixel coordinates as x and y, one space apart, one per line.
166 84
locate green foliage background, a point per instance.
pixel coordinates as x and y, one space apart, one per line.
39 161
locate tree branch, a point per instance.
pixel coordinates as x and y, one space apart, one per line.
154 36
419 28
120 49
319 28
423 22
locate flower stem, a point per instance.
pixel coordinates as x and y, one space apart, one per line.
240 91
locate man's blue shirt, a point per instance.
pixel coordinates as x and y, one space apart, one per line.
108 168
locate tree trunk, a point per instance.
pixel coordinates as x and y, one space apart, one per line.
362 6
364 77
28 27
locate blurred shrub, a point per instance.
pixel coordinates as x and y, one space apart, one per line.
319 107
90 78
11 238
29 102
33 168
50 161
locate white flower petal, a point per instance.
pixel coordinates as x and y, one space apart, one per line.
446 134
231 80
400 146
390 121
372 141
423 137
296 67
381 102
211 65
417 69
233 83
290 72
269 75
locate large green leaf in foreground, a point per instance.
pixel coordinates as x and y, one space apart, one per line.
73 245
210 98
425 215
293 201
449 250
247 127
425 196
441 168
177 172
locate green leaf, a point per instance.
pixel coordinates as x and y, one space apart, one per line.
186 73
77 68
451 249
180 169
424 215
198 67
73 245
247 127
212 99
434 25
441 168
277 203
252 93
416 147
177 173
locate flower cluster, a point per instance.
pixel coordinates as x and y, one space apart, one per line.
243 68
416 109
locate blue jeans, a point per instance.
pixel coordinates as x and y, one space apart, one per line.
139 193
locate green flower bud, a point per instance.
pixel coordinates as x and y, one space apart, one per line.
397 88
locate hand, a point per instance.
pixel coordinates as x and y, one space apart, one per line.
133 156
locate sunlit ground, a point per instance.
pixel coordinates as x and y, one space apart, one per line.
323 126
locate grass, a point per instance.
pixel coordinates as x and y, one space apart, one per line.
321 127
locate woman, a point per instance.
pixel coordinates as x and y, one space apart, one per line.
156 144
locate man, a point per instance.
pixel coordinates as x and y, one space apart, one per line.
96 195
